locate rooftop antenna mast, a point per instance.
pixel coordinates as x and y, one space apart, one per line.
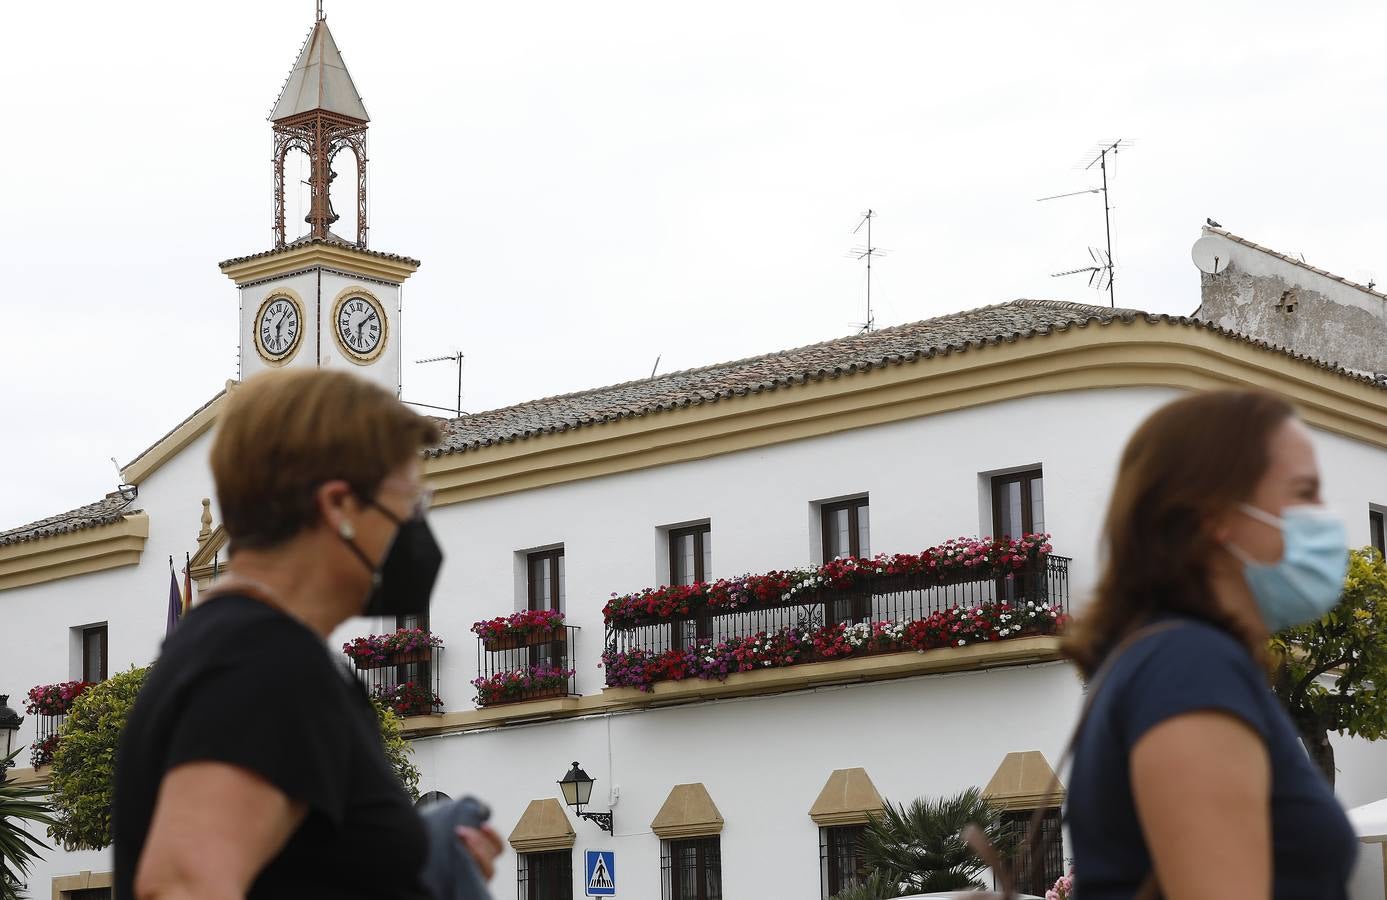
868 252
456 358
1101 274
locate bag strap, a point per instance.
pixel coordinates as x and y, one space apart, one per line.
978 841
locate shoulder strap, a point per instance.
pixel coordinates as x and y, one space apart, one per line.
1148 887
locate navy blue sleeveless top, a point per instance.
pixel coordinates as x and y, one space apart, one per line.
1191 667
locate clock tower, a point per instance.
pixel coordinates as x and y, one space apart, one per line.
320 299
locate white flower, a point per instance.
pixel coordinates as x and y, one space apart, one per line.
961 642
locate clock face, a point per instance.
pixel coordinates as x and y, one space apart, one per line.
360 326
278 328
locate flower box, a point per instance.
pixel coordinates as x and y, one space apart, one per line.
533 682
423 654
548 693
558 634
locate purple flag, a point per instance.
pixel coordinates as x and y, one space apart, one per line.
175 601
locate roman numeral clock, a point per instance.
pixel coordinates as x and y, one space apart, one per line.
359 324
279 328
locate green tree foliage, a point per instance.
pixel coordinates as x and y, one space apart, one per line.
19 846
81 781
398 751
1350 646
921 848
82 777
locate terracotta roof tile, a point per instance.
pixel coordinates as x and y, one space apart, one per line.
956 332
111 508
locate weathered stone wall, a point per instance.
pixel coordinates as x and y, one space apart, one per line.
1267 297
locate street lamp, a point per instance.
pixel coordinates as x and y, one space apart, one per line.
9 727
577 791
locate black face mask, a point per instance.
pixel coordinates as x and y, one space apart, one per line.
403 583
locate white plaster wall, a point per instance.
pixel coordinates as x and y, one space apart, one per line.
305 285
1258 263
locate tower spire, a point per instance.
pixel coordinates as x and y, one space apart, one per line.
320 113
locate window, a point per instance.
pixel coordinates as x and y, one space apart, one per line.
846 529
690 562
545 876
847 532
88 894
840 858
692 869
1018 504
1050 867
421 672
545 578
94 653
1377 528
690 554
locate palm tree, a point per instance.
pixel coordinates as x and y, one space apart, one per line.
18 846
876 886
921 846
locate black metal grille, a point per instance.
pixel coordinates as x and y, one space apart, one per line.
1039 877
501 665
840 858
409 684
895 598
691 870
545 876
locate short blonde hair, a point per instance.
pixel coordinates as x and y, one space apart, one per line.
284 433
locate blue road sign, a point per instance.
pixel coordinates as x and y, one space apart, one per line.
599 873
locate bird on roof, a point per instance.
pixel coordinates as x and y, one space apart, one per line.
1213 223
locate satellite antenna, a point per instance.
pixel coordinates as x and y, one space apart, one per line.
1099 274
456 358
1102 151
868 252
1210 255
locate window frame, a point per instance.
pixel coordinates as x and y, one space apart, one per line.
88 633
538 889
831 876
857 607
553 653
1052 865
1377 529
684 633
707 857
1024 477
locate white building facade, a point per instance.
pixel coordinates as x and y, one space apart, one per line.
748 787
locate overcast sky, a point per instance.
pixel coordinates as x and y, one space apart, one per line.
591 185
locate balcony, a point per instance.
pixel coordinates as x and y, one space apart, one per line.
527 656
401 670
49 704
960 594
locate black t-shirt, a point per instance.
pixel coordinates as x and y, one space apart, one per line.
1191 667
240 682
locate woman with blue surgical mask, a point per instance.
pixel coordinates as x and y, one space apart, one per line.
1189 779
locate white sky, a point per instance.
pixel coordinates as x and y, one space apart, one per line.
590 185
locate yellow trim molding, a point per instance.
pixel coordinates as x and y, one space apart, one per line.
292 259
544 826
167 447
283 359
30 777
76 553
1014 652
848 798
356 292
63 885
209 553
688 812
1025 781
1139 354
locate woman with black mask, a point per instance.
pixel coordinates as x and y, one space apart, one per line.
251 765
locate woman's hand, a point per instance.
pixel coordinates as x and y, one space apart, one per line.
1202 786
484 844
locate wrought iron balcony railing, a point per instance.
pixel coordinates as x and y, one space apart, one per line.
536 666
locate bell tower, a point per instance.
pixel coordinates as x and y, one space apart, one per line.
321 299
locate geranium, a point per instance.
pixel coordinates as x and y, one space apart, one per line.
54 699
41 753
523 624
955 560
379 648
520 684
408 698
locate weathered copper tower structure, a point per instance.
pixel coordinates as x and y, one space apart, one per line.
320 113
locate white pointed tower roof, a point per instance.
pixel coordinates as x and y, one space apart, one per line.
320 80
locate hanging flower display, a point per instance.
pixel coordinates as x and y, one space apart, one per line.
526 628
529 683
404 646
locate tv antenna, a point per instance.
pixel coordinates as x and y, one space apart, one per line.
1100 159
868 252
456 358
1099 274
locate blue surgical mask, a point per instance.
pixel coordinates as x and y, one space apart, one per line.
1308 580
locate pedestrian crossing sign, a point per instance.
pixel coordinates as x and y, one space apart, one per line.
600 873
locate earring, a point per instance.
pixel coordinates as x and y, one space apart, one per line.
346 530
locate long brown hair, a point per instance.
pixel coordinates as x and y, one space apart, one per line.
1189 462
